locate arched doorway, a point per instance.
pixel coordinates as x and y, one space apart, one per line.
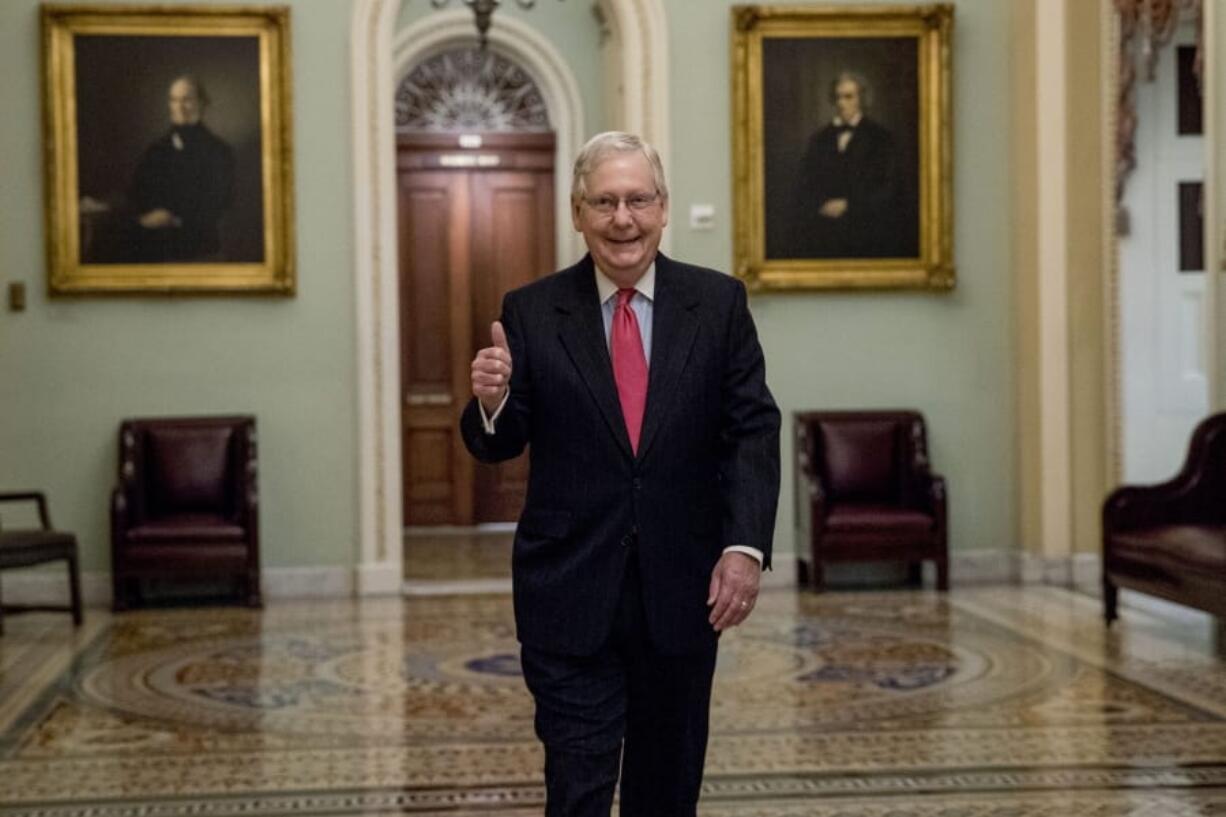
378 53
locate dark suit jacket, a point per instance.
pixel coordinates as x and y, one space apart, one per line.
706 475
196 183
867 176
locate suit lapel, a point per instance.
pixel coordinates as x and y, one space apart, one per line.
582 334
674 325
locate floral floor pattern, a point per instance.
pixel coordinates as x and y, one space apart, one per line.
1007 702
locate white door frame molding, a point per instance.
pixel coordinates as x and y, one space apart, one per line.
378 566
643 41
640 37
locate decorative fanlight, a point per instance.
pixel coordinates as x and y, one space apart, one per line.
483 12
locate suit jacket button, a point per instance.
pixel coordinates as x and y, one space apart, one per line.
627 540
638 483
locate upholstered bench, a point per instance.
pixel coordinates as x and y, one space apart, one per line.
1169 540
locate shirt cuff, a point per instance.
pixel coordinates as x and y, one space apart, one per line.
748 551
488 422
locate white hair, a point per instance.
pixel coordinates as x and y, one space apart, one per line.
600 146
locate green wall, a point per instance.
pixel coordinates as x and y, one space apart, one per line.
949 355
71 369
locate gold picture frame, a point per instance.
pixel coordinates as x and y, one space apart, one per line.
811 150
176 177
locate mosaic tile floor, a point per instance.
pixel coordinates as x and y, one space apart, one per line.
1002 702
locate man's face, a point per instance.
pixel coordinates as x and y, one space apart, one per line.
847 99
624 242
184 103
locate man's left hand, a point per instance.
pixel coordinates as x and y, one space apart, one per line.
734 589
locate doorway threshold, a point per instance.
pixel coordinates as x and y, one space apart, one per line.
458 530
455 587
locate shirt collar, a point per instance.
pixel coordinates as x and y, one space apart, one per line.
646 285
853 122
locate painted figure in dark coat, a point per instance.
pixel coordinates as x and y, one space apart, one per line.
848 197
182 185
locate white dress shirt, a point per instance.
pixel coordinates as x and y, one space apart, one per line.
845 136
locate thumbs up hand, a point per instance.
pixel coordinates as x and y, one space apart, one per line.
492 370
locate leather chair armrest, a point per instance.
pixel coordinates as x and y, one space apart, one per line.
937 499
811 484
810 510
120 513
1143 506
37 497
1192 495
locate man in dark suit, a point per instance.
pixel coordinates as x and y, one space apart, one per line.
638 384
848 197
183 184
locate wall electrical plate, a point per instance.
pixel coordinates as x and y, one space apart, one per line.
702 216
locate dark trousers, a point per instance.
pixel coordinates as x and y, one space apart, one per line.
627 693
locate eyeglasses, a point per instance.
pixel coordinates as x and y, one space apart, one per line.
636 202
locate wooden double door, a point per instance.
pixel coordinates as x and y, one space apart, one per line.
473 224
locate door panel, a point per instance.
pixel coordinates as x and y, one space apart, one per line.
434 217
467 236
507 253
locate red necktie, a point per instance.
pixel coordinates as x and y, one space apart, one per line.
629 365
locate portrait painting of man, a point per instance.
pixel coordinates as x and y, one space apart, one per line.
168 149
169 157
842 146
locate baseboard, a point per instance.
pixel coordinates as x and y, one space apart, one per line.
378 579
455 587
50 586
1082 571
979 566
307 582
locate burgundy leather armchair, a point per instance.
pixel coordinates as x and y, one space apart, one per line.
866 492
186 507
1169 540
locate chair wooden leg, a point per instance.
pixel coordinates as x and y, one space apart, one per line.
119 600
915 574
253 590
818 578
1111 601
802 573
943 574
74 589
